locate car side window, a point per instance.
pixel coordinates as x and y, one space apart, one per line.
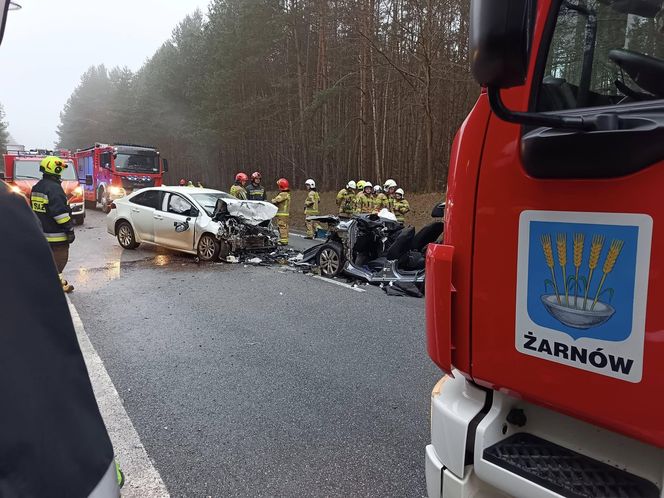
149 198
179 205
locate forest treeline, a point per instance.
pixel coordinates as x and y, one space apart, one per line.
328 89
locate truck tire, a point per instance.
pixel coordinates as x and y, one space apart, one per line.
79 220
330 259
208 247
126 236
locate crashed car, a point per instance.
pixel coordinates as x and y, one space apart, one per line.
208 223
373 247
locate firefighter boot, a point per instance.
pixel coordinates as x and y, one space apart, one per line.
66 286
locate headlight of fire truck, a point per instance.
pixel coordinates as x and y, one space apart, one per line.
116 191
15 189
78 190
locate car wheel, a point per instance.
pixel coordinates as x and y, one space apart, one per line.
126 237
208 247
330 260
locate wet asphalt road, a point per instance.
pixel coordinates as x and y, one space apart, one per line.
255 381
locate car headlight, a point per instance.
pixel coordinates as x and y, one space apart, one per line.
15 189
116 190
78 190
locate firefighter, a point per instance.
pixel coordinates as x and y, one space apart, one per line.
401 206
199 185
365 199
380 199
183 182
389 188
282 201
237 190
190 184
346 200
311 204
49 202
256 191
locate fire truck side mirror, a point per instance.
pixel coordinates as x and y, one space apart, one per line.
165 165
88 180
499 39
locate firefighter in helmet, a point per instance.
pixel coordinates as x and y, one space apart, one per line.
365 203
49 202
282 201
237 190
346 200
380 199
390 188
311 208
401 206
256 191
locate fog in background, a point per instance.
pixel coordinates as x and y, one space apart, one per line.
48 44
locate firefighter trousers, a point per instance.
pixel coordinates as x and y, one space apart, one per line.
282 223
312 226
60 255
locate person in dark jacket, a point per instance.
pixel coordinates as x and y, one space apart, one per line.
49 202
255 190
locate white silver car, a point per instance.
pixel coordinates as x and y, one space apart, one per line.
209 223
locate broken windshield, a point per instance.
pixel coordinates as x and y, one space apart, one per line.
209 200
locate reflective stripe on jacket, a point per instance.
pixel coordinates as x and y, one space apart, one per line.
256 192
311 203
400 209
364 204
239 192
346 201
282 201
49 203
381 202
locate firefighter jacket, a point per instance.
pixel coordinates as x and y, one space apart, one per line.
49 202
311 203
239 192
53 441
282 201
363 203
381 202
346 202
401 207
256 192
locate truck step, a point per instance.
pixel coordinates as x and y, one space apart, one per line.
564 471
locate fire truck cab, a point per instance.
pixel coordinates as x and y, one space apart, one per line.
113 171
21 173
543 301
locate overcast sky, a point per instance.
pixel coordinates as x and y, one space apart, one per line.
48 44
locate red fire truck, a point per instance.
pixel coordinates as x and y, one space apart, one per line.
112 171
21 172
543 302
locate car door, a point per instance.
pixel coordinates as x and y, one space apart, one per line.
175 223
141 210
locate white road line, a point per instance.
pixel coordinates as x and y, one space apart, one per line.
342 284
142 479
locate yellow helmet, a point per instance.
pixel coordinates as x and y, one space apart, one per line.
360 185
52 165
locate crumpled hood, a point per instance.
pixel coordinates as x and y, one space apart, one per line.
251 212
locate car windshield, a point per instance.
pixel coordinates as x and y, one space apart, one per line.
28 169
137 163
208 201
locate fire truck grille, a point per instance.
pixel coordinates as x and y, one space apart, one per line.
137 182
564 471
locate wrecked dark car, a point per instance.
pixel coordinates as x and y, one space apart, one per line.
373 248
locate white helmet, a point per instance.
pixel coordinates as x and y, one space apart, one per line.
389 184
399 191
377 189
351 184
310 183
368 184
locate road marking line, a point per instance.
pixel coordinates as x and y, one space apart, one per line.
142 479
342 284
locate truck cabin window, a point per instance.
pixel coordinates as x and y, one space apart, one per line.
604 52
136 163
28 169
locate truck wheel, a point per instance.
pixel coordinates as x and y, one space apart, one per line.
78 220
208 247
126 237
330 260
105 203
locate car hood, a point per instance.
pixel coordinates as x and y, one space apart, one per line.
251 212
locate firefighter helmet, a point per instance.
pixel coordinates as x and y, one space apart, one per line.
183 182
310 183
282 183
400 192
360 184
367 184
241 177
351 184
389 184
256 175
52 165
378 189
